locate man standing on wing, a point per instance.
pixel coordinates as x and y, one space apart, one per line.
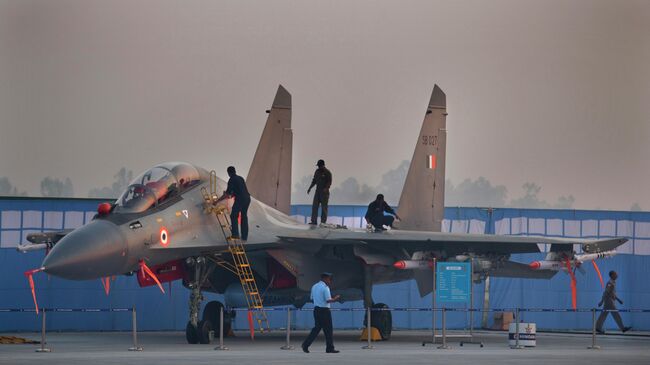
322 180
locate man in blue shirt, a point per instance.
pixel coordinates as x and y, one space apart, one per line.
320 294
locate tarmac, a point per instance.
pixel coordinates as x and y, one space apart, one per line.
405 347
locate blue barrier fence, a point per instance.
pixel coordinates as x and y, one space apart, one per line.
514 335
66 310
279 309
19 217
278 316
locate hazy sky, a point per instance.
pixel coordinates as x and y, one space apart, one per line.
553 92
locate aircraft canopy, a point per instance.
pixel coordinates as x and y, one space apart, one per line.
155 186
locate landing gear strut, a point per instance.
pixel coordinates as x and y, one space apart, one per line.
198 331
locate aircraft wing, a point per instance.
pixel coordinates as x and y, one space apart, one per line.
463 242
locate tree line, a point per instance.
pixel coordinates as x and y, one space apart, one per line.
52 187
479 192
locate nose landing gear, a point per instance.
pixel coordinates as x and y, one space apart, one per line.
199 331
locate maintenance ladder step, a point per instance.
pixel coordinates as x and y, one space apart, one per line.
238 252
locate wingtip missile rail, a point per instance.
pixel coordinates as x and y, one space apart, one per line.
577 261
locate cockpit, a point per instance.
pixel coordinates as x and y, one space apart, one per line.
156 186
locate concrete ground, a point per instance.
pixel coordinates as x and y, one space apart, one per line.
162 348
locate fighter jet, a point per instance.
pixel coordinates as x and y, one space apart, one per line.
169 225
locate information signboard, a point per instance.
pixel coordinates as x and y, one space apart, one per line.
453 282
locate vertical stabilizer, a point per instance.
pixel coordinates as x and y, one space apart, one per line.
422 203
269 178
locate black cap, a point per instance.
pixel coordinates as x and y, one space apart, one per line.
326 275
320 163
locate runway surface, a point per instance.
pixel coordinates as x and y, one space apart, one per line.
170 348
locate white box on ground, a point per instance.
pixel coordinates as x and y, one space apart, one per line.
527 334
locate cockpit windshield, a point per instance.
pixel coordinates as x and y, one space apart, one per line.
155 186
135 199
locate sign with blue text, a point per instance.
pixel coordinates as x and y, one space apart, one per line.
453 282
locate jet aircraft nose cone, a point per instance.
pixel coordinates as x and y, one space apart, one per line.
93 251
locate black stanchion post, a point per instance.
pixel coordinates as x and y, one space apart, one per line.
369 346
43 348
444 330
593 331
134 322
288 346
221 334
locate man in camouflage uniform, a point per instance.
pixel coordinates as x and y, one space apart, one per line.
322 180
609 300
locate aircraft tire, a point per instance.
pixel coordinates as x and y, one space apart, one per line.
211 313
382 321
203 331
191 334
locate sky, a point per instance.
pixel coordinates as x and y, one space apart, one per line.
553 92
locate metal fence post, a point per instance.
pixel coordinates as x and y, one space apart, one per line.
221 335
444 330
134 321
433 303
471 299
43 348
369 346
593 331
516 346
288 346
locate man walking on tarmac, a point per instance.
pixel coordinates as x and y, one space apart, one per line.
320 294
609 298
237 189
375 214
322 180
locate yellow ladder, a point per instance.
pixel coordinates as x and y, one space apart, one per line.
240 260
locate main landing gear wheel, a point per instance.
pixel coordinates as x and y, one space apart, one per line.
204 329
381 320
191 333
211 313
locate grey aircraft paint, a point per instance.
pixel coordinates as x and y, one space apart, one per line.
287 256
269 178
